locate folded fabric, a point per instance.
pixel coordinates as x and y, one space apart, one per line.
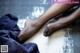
9 32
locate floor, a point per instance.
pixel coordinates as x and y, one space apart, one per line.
66 40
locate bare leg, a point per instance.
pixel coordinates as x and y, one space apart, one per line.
34 26
62 22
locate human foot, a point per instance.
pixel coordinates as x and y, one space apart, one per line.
59 24
30 28
62 22
52 27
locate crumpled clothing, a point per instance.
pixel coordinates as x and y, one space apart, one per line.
9 32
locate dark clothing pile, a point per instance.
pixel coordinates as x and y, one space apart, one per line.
9 32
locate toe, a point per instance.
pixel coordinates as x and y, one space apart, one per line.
47 32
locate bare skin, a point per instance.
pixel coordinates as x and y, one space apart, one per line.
62 22
33 26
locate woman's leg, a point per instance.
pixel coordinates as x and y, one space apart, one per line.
62 22
33 26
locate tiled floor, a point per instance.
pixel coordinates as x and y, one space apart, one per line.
63 41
